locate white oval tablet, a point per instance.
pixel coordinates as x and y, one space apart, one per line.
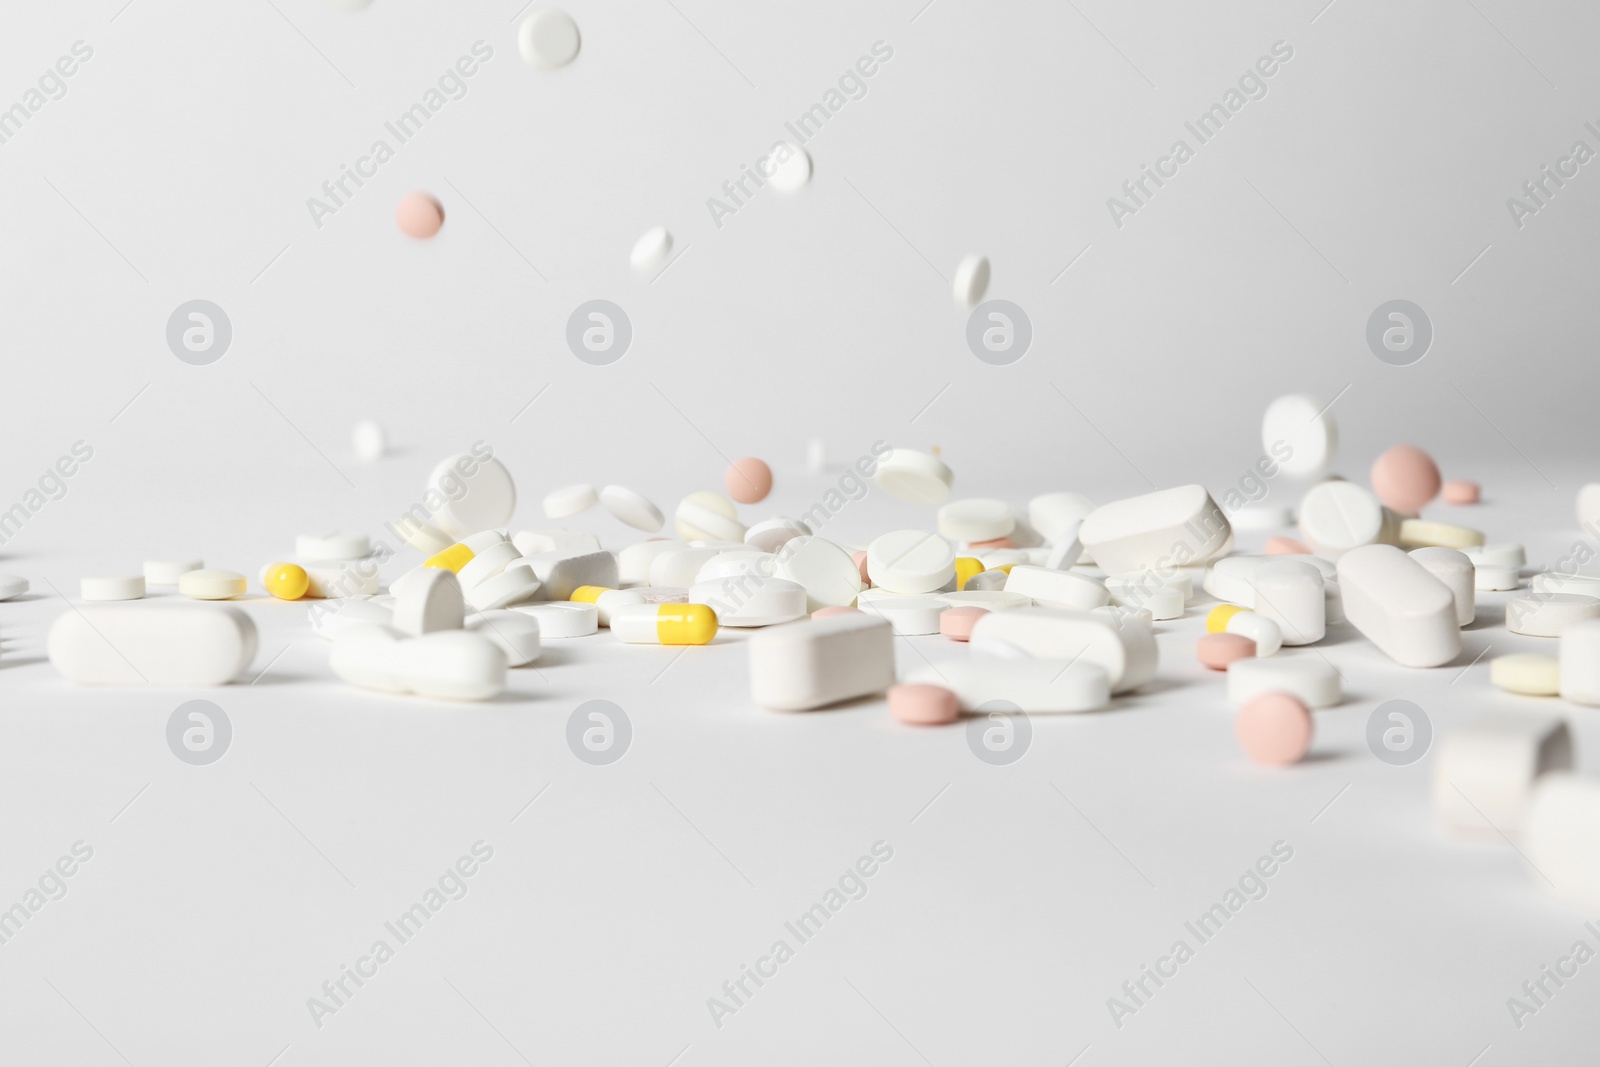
425 537
708 516
1300 434
1034 686
910 561
1290 593
1456 571
511 586
573 500
1497 579
1156 531
478 494
366 654
1058 589
1127 653
1308 677
332 617
515 632
167 644
548 38
212 584
634 562
745 601
976 519
562 619
769 535
971 280
632 508
829 574
1504 554
1398 606
816 662
166 571
127 587
451 665
681 566
914 477
651 250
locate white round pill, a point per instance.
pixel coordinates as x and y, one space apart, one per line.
368 441
630 507
12 585
651 250
120 587
915 477
1299 433
561 619
1338 516
573 500
332 546
971 280
792 167
1506 554
977 519
708 516
212 584
1548 614
168 571
514 632
477 494
548 38
829 573
909 616
910 561
769 535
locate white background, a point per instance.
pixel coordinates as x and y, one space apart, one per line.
177 166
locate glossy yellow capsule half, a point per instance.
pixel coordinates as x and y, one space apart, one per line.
451 559
967 567
1217 621
286 581
664 624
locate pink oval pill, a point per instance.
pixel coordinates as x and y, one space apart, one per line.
861 565
957 623
1286 546
1405 478
1460 492
923 705
998 542
419 215
1218 650
748 480
1274 728
832 610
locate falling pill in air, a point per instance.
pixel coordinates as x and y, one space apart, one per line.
367 438
419 215
651 250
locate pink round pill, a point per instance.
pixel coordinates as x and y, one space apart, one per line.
998 542
1460 492
1286 546
957 623
748 480
861 565
1274 728
1405 478
1218 650
419 215
923 705
834 609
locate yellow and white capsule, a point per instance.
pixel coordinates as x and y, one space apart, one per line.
606 600
664 624
1232 619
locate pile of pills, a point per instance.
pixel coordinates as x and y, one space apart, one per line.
1052 608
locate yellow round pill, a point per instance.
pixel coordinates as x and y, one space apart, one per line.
287 581
966 567
451 559
1217 621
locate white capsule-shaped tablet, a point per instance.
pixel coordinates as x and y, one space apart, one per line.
1059 589
1156 531
366 654
423 536
1398 606
167 644
114 587
559 577
1580 664
748 600
329 618
1456 570
1230 579
1485 772
1290 593
167 571
1034 686
971 280
651 250
1267 634
514 632
1549 614
1561 837
427 599
1127 653
451 665
911 561
514 585
1307 676
563 619
817 662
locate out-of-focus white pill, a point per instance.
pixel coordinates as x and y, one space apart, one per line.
422 536
1398 606
366 654
1309 677
212 584
910 561
734 562
336 545
451 665
910 616
164 644
1589 505
1290 593
971 280
477 493
1549 614
1156 531
123 587
1058 589
1338 516
1130 587
990 599
486 564
511 586
339 578
1231 579
516 633
1063 554
976 519
12 585
1034 686
427 599
330 618
651 250
792 167
1300 434
548 38
563 575
987 581
817 662
1058 515
1559 582
1256 517
681 566
1127 653
1561 836
829 573
914 477
1580 663
1333 599
1456 571
1163 604
573 500
1501 554
1266 633
630 507
1526 673
769 535
747 600
165 571
1493 579
537 542
708 516
368 440
562 619
635 561
1484 773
